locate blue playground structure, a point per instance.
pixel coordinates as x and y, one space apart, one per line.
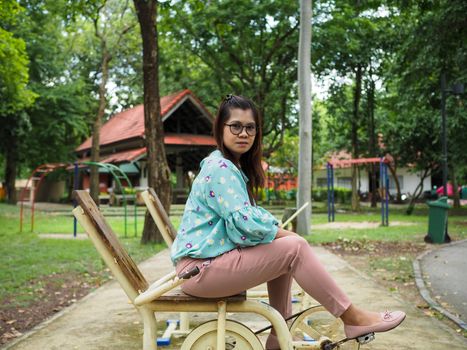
383 185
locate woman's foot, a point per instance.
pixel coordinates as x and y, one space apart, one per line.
359 322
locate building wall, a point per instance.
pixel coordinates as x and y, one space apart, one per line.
410 181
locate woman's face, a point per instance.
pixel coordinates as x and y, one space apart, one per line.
242 123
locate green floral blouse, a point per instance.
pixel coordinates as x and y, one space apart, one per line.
218 215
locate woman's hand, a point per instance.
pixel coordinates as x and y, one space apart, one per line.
284 233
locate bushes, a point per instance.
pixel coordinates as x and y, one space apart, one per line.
341 195
320 194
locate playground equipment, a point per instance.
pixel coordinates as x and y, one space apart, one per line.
118 175
220 333
384 184
33 184
37 176
168 232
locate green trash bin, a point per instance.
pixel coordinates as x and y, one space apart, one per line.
464 192
438 219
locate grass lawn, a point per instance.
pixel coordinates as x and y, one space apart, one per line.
26 259
401 227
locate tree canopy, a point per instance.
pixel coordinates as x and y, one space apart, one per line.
380 61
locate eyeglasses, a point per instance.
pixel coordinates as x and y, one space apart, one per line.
237 128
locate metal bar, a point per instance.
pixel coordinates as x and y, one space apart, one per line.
75 187
333 211
381 186
387 193
184 322
221 320
328 185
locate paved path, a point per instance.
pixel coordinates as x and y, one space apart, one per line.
445 276
106 320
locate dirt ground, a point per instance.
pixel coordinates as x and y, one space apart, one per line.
54 292
396 277
389 263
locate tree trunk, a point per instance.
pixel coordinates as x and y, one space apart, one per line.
11 164
356 105
95 148
393 170
456 196
305 132
417 192
158 169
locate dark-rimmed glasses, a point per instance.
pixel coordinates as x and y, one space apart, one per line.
237 128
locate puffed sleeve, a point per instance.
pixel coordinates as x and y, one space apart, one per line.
226 194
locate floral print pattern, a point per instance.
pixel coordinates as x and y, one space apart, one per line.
223 211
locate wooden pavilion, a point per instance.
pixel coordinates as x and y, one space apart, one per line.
187 137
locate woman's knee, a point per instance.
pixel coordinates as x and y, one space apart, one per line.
295 242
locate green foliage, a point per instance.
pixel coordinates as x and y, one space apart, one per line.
58 123
286 156
341 195
14 93
270 195
431 40
350 39
50 64
244 47
50 129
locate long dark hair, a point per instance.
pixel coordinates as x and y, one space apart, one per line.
250 161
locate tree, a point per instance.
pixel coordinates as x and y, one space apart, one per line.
244 47
349 43
60 78
304 94
111 20
428 47
15 95
158 169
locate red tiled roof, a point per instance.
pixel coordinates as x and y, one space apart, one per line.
130 123
188 139
125 156
169 139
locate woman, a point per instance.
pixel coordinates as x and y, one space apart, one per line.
238 245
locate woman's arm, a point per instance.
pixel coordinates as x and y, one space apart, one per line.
284 233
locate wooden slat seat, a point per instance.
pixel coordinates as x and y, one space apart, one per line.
177 295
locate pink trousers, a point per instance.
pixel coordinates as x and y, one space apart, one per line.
275 263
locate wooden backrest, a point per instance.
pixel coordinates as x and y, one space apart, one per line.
162 220
114 255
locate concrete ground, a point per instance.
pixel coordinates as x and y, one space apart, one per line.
106 320
444 274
